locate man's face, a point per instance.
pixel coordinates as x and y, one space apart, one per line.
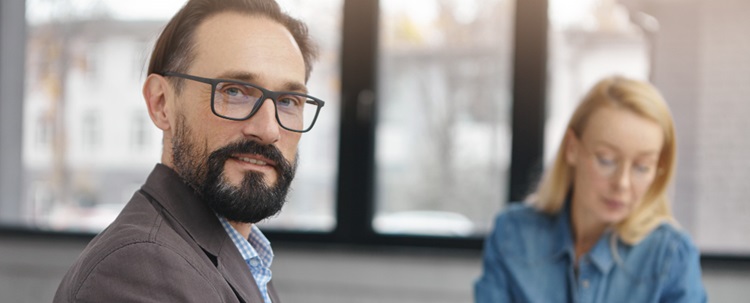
241 168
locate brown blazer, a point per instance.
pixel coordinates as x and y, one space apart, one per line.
165 246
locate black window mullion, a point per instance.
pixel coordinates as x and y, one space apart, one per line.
358 113
529 96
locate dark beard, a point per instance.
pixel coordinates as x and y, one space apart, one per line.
250 202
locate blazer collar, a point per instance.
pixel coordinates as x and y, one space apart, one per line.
199 221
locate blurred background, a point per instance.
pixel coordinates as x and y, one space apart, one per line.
438 114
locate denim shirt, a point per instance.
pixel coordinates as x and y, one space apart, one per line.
529 257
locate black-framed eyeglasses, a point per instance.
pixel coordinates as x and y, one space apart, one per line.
237 100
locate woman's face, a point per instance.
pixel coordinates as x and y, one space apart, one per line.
615 162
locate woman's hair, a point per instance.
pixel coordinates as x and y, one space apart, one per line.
644 100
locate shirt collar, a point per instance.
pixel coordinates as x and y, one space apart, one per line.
255 246
564 235
601 254
261 244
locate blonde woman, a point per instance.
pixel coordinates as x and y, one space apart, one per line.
599 227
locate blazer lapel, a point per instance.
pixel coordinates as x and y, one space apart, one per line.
202 225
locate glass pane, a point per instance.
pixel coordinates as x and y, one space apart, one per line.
443 134
312 199
588 40
88 142
696 52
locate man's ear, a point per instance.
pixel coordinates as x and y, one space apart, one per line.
571 147
155 92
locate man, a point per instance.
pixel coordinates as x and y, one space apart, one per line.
226 85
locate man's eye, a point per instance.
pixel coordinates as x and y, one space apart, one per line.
233 91
288 101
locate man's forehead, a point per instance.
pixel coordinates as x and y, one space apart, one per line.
246 47
232 28
288 85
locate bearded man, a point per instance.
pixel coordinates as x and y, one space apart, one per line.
226 85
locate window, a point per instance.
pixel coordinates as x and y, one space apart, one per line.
90 132
139 134
43 135
443 132
311 205
436 111
79 80
696 54
588 40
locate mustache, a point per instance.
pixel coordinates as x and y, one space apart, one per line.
252 147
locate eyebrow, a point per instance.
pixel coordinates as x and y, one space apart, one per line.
612 146
252 78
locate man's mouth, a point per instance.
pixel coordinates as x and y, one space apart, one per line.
252 161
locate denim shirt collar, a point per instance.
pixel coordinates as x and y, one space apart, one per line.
600 255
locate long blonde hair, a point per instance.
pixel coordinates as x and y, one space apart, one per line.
644 100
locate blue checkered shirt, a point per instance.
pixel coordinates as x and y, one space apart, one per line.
257 252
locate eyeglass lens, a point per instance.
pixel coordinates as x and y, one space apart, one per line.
237 101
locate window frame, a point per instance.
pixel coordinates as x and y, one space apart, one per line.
355 200
12 54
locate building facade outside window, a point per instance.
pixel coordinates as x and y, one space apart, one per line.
443 129
88 138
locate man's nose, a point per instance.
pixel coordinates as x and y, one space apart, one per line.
263 126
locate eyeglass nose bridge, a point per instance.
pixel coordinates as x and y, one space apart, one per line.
266 95
274 96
